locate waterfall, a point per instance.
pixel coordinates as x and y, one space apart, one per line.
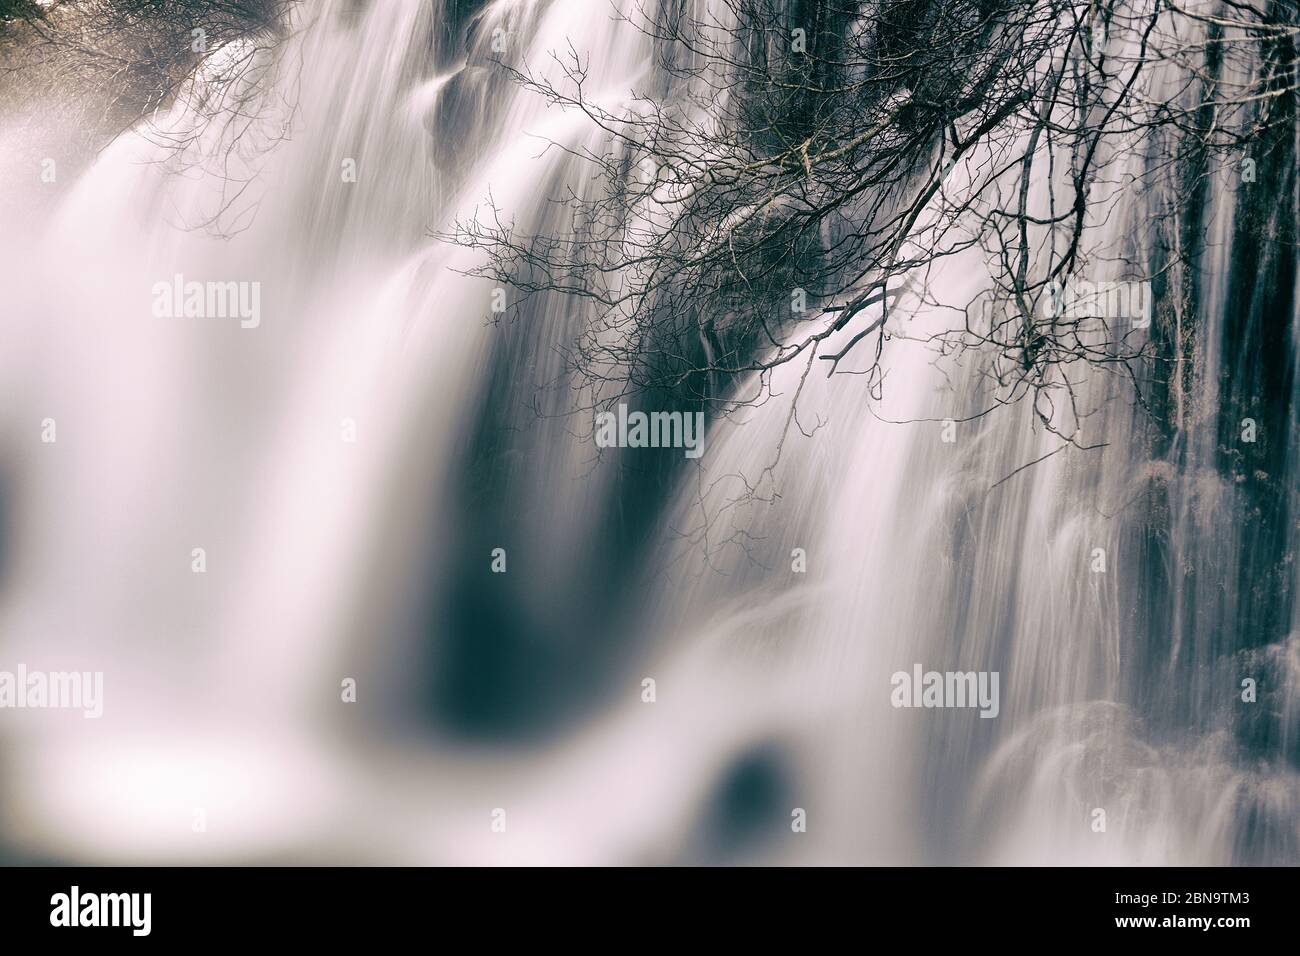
239 516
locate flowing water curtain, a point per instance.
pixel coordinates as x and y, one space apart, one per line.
1025 589
848 556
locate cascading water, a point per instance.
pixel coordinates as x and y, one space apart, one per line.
349 464
1121 690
